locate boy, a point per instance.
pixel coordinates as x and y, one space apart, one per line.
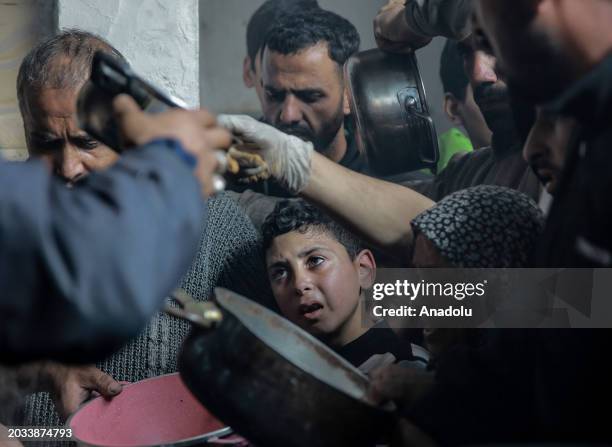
318 272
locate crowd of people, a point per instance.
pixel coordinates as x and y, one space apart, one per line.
84 268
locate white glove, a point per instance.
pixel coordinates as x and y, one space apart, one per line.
288 157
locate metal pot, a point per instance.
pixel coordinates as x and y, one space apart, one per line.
388 102
272 382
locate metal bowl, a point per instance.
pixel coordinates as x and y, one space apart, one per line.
388 101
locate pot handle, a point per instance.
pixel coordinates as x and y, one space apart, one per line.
204 314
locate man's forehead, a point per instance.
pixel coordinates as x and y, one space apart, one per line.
52 103
305 68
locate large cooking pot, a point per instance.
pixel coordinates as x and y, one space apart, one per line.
272 382
388 101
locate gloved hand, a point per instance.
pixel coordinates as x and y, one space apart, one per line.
288 157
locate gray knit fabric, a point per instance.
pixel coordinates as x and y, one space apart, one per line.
229 256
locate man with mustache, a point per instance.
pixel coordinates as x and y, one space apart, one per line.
502 163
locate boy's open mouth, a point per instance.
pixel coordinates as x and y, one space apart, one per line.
310 310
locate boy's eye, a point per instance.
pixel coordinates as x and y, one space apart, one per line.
278 274
314 261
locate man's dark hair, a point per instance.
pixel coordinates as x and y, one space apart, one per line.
266 16
62 61
452 70
298 215
303 30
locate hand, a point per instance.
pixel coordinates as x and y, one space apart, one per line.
70 386
288 157
392 32
196 130
402 385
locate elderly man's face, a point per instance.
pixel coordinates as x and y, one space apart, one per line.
52 134
304 96
528 40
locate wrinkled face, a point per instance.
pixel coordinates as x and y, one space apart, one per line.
52 134
546 148
315 283
529 45
304 95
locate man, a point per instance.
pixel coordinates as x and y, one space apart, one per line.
460 108
304 94
560 50
303 81
260 23
49 81
71 271
500 164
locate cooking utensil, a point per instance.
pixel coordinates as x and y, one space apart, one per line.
274 383
153 412
388 102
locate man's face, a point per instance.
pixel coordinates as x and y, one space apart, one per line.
53 135
528 40
315 283
489 90
546 148
304 95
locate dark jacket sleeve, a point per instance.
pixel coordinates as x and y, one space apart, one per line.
83 270
432 18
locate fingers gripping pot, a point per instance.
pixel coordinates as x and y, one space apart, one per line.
111 77
388 102
273 383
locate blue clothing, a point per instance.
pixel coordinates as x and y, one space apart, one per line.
83 270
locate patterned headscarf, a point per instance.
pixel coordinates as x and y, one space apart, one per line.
483 227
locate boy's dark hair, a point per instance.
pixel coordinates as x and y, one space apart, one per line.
266 16
303 30
452 70
298 215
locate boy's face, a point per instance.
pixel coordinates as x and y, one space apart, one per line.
316 284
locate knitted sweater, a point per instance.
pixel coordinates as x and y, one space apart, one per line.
229 256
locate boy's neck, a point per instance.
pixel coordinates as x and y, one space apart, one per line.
351 330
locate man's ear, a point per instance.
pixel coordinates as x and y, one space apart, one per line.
366 264
452 109
247 73
346 103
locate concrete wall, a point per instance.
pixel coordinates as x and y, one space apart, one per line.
223 47
159 37
21 24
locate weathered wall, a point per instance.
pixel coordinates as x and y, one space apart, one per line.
21 24
223 47
159 37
